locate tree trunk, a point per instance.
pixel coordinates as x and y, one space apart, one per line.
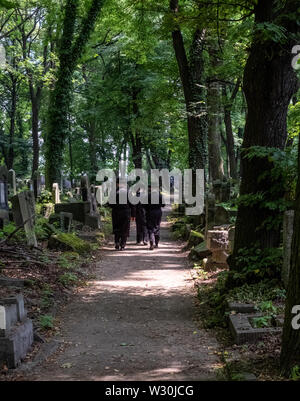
136 138
216 168
35 109
228 103
12 125
191 74
269 83
230 144
290 352
70 50
92 150
71 160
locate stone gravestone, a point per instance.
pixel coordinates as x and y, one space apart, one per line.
24 214
16 331
288 225
12 183
55 193
4 216
66 220
217 243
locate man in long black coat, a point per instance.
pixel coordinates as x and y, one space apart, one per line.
141 224
153 219
121 214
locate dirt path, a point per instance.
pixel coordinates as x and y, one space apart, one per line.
135 321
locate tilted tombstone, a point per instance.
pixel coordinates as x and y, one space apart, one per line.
288 228
24 214
12 183
55 193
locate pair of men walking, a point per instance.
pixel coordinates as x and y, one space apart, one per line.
148 219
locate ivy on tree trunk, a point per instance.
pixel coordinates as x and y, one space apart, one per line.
70 50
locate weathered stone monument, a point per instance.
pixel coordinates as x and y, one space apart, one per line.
85 189
55 193
24 214
85 211
12 187
217 243
288 225
16 331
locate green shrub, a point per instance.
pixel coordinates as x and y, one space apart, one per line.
68 279
10 228
46 322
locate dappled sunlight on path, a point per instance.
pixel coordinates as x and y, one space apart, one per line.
135 321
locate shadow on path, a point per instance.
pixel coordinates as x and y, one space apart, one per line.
135 321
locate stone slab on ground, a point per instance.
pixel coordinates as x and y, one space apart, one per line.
243 332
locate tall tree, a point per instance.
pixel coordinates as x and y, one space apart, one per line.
30 33
290 352
192 78
74 38
228 100
216 169
269 84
